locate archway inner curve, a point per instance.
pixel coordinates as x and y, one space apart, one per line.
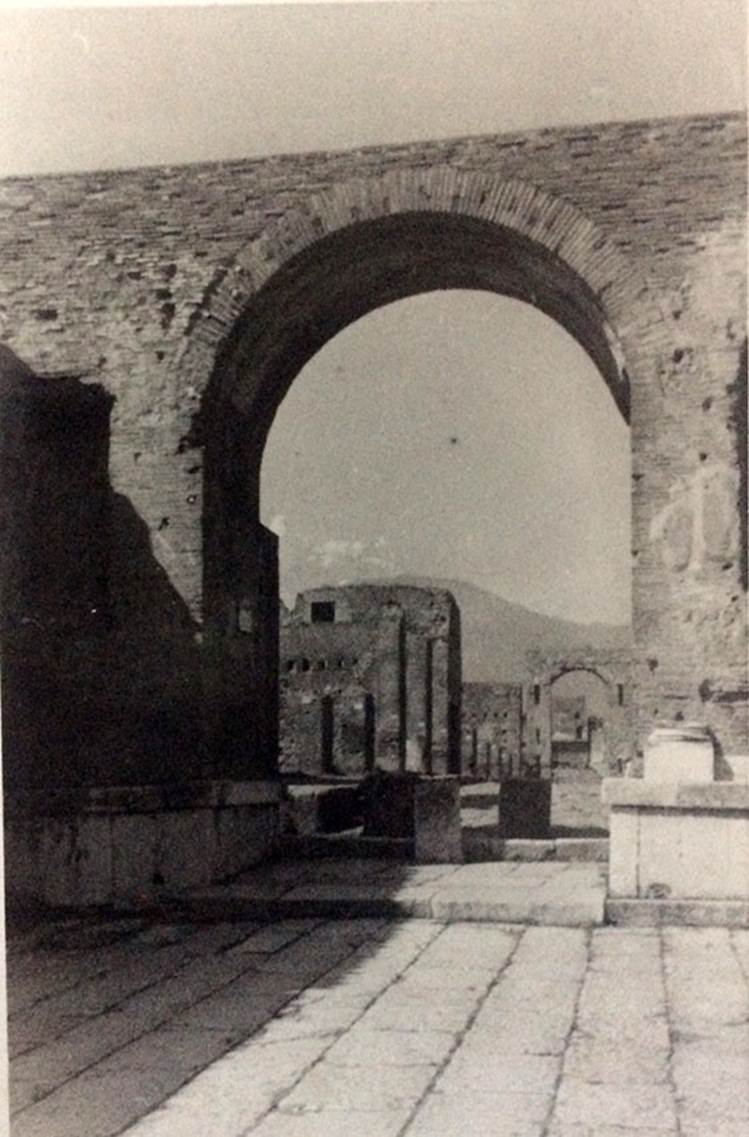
346 274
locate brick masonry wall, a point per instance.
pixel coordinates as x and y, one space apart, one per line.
125 278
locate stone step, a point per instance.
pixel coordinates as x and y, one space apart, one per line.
564 895
481 846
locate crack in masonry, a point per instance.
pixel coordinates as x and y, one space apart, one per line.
335 1035
568 1037
151 1029
670 1079
460 1035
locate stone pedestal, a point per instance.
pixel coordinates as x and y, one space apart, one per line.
388 804
127 846
679 841
681 755
525 807
437 836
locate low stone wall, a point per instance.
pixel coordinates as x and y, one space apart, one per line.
684 841
128 845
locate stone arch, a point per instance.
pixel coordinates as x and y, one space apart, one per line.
613 669
364 244
632 321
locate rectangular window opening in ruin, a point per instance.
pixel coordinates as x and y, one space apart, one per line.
322 612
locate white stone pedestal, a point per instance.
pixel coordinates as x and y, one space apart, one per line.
679 755
678 842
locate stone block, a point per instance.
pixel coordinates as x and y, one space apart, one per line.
437 836
58 863
22 879
679 754
623 850
388 804
94 859
736 767
186 848
133 856
525 807
671 841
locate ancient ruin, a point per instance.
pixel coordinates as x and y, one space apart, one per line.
493 729
161 315
370 676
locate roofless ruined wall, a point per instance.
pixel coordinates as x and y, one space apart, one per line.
193 295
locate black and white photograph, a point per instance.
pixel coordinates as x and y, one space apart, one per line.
374 669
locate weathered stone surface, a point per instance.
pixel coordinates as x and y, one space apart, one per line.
559 1031
673 842
437 837
525 807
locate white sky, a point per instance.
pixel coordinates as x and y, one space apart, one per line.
532 501
101 87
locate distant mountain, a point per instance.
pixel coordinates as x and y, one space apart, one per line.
497 634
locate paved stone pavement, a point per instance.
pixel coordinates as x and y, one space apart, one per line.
567 894
308 1028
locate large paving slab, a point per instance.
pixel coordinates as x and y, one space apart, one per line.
412 1028
561 894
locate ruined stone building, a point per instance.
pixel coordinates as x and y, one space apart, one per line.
370 675
182 303
492 729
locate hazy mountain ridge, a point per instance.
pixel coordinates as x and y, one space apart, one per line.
497 634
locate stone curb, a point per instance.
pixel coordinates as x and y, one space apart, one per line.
639 913
584 913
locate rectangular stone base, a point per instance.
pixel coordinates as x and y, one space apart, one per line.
678 842
525 807
437 836
131 844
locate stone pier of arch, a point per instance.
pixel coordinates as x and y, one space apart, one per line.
157 317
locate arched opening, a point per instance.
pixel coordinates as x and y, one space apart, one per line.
457 440
582 707
316 292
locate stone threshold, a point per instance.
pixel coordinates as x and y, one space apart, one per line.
642 913
551 894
